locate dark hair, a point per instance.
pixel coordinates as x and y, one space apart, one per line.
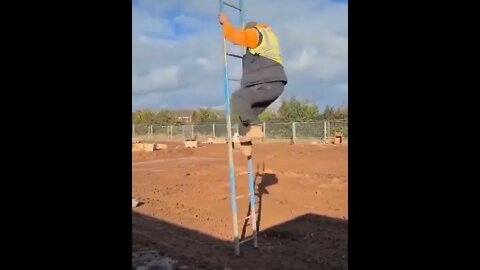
250 25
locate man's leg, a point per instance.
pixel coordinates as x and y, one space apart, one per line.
267 93
241 106
249 102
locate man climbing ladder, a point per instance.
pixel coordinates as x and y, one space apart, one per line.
263 79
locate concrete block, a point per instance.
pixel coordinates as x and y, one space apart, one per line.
160 146
220 140
191 144
137 147
150 147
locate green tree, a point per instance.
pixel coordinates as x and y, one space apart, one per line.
165 117
205 116
328 113
145 117
267 115
341 113
294 110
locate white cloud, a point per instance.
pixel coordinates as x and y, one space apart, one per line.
144 23
303 61
157 6
188 22
159 79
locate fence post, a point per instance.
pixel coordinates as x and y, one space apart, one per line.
193 133
294 135
264 131
213 130
133 130
171 132
325 131
183 132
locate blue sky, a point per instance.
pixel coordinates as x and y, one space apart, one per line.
177 55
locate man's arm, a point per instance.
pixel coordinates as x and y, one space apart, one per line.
243 37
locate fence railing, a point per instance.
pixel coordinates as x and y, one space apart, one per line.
294 131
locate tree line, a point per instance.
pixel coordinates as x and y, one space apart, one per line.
291 110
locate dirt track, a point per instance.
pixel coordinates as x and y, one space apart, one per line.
301 205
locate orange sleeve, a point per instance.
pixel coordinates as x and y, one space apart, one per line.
243 37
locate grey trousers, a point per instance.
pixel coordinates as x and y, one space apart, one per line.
249 102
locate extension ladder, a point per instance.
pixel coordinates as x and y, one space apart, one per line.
252 217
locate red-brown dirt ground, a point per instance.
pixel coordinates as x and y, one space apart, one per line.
301 206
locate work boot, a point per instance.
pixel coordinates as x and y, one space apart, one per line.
254 132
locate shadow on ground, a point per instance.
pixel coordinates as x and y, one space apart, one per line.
306 242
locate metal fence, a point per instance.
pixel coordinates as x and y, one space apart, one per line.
273 131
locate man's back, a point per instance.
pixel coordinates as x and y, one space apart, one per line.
263 61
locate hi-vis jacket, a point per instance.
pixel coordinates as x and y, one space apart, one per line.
263 60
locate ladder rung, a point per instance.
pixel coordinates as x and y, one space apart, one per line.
232 6
249 216
246 240
243 196
234 55
235 80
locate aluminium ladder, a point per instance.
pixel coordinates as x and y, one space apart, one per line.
252 217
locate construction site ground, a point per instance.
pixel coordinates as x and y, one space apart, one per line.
185 210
